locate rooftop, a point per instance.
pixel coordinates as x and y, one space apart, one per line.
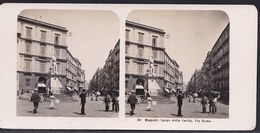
130 23
37 22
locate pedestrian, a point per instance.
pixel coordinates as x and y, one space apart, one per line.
113 102
132 100
180 98
195 95
204 102
92 96
107 102
149 102
35 99
116 104
190 97
83 101
52 99
97 94
211 103
214 104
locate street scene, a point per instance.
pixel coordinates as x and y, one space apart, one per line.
64 68
175 66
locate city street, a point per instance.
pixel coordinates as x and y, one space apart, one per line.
65 109
189 110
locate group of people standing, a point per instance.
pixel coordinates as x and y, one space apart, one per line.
107 101
212 101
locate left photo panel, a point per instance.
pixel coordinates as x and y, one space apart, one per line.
68 63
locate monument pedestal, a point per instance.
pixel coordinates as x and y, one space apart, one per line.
56 85
154 88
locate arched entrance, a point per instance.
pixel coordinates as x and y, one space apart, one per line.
140 82
42 88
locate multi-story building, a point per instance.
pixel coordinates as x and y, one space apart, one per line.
71 71
106 79
80 75
220 64
38 43
172 75
147 65
215 70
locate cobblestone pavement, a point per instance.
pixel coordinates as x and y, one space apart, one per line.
189 110
65 109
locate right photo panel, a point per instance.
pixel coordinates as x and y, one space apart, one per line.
177 64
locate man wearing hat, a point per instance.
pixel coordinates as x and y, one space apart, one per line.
179 98
35 99
83 102
132 100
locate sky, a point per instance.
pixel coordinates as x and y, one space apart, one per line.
191 34
93 34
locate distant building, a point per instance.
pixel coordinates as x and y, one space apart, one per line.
75 75
214 74
106 79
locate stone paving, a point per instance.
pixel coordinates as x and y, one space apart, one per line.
65 109
189 110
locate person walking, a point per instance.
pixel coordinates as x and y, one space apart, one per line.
52 98
107 102
116 104
190 97
204 102
210 103
132 100
35 99
180 98
83 101
149 102
195 95
113 102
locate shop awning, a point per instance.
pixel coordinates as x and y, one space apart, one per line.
139 87
69 88
76 88
41 85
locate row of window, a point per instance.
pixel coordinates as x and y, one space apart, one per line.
28 49
141 38
140 52
43 35
42 66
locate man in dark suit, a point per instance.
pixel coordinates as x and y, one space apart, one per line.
180 98
83 101
35 99
132 100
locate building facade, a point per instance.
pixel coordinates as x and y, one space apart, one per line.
39 45
146 60
71 71
38 42
214 74
106 79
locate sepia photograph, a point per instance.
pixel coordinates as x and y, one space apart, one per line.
177 64
68 63
183 67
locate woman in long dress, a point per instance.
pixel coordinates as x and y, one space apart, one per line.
149 102
52 98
